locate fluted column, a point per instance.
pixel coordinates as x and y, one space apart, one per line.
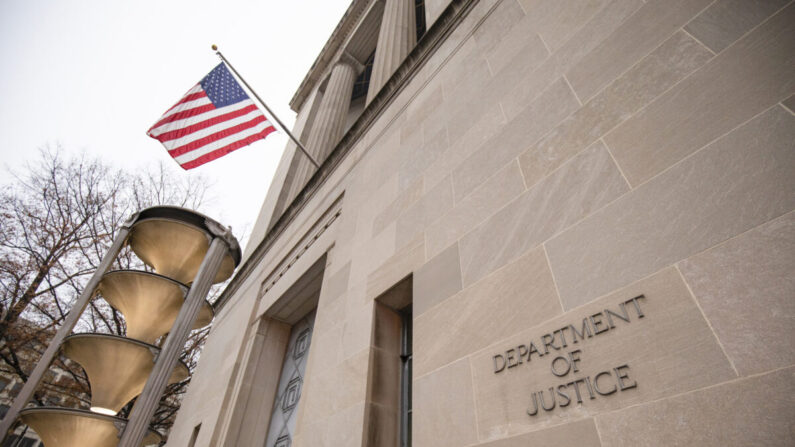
330 119
397 37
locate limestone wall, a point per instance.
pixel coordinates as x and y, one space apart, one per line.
616 173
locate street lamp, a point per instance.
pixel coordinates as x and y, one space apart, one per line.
188 252
66 427
149 302
117 368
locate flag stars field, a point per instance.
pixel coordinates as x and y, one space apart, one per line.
212 119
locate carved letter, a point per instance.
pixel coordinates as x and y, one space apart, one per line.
562 337
574 357
585 330
551 395
497 367
596 384
535 407
589 387
597 322
620 375
576 389
510 359
554 370
637 304
563 395
521 354
548 340
610 314
533 349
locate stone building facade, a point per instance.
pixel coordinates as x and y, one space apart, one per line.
537 222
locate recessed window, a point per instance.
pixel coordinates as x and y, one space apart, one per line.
284 414
405 376
389 410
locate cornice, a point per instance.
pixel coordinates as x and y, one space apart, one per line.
340 35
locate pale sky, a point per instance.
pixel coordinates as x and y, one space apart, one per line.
94 75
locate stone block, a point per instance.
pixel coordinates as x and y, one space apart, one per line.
527 78
437 280
405 261
371 202
519 81
415 160
326 347
746 288
725 21
495 27
755 411
380 157
584 184
334 388
330 312
744 80
555 104
473 209
520 45
370 255
659 346
422 106
430 207
601 26
336 284
738 182
630 42
443 413
481 128
343 428
357 329
470 94
676 58
404 199
500 305
579 433
465 69
557 21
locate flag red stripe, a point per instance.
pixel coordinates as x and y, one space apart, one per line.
179 133
184 114
195 144
220 152
188 98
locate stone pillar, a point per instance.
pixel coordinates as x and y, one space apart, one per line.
397 37
330 120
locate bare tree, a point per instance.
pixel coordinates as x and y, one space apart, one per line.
57 219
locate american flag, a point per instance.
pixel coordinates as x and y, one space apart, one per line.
213 119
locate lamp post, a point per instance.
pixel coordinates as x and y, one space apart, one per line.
183 247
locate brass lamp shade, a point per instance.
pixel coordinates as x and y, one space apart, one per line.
150 303
175 249
66 427
117 367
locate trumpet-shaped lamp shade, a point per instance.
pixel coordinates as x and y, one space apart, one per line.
117 368
150 303
175 249
66 427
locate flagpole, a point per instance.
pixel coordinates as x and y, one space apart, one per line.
276 118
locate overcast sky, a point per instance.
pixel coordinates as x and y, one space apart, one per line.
94 75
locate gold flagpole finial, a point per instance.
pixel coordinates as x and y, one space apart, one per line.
215 47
